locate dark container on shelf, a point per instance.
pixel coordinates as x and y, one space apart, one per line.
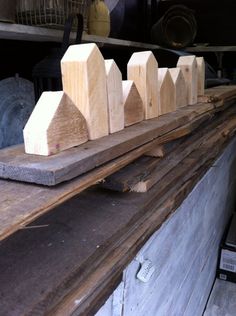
7 11
177 28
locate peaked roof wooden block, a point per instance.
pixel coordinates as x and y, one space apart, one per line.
166 90
188 64
201 75
55 124
181 93
84 80
133 104
115 97
142 69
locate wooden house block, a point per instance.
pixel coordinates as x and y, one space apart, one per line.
181 94
133 104
142 69
166 90
115 97
84 80
55 124
188 64
201 75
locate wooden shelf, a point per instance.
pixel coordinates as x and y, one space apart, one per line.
210 49
42 34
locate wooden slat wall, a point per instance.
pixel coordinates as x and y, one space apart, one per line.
184 251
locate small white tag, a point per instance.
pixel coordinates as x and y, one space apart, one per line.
228 260
146 271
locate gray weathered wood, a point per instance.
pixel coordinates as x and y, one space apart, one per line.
222 300
184 250
16 165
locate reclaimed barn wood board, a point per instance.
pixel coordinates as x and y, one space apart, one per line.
89 253
218 93
66 165
191 230
222 300
16 198
86 293
17 209
142 174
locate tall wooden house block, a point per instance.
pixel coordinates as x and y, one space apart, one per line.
181 94
188 65
115 97
166 91
142 68
55 124
84 80
201 75
133 104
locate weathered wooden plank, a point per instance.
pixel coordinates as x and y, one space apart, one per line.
127 178
86 292
16 165
134 218
186 150
222 299
219 93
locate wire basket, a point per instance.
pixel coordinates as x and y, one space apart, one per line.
50 13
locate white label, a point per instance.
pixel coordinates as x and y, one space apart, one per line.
228 260
146 271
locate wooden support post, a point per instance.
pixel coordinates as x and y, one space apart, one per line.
55 124
181 94
84 80
201 75
188 64
133 104
142 69
166 90
115 97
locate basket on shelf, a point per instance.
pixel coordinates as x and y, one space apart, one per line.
50 13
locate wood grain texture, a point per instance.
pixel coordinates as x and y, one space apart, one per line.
166 92
181 94
133 104
86 292
16 165
55 124
188 65
218 94
222 300
143 173
115 97
200 75
93 259
84 80
142 68
66 165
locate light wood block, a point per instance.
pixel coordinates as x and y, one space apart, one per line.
55 124
115 97
201 75
142 70
84 80
133 105
188 64
166 91
181 94
157 152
